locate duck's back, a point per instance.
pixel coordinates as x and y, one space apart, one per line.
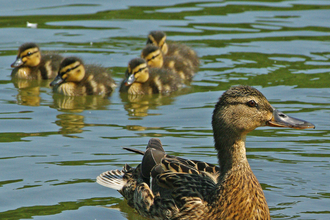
97 81
163 81
49 65
180 66
185 52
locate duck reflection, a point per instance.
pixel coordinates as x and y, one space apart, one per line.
79 103
139 105
28 91
70 123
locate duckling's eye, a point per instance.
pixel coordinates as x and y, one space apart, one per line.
252 103
29 53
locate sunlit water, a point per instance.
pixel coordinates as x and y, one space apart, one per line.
53 147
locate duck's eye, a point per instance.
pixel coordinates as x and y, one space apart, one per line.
252 103
29 53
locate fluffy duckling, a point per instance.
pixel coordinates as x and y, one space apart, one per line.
158 38
31 64
186 189
140 79
76 79
154 56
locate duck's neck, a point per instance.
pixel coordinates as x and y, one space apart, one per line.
231 151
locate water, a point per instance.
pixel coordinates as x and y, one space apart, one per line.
53 147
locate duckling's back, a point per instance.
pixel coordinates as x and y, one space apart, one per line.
98 81
163 81
185 52
50 62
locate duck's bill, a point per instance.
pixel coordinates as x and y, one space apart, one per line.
129 80
280 119
18 62
58 80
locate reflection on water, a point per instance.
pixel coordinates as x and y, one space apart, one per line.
79 103
138 105
53 146
70 123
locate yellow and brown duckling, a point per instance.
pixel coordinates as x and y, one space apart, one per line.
31 64
158 38
141 80
186 189
154 57
76 79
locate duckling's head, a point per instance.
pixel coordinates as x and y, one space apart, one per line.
71 70
241 109
28 55
158 38
137 71
153 55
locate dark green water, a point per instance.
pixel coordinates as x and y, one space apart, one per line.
53 147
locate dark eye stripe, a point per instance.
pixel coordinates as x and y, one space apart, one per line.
29 54
142 68
68 70
153 57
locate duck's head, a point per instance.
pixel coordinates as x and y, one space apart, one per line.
137 71
28 55
158 38
153 55
241 109
71 70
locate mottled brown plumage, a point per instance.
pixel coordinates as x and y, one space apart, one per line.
31 64
76 79
154 57
185 189
158 38
141 80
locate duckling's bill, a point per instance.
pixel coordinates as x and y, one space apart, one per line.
18 62
129 80
58 80
280 119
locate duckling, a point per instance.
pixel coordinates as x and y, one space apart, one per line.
154 56
31 64
158 38
140 79
185 189
76 79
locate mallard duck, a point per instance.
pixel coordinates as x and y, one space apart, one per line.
158 38
31 64
76 79
140 79
185 189
154 57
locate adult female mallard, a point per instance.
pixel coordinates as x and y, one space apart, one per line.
158 38
186 189
141 80
76 79
154 57
31 64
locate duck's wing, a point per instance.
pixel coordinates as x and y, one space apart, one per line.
185 180
188 187
198 165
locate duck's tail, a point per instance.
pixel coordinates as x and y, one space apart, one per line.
113 179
